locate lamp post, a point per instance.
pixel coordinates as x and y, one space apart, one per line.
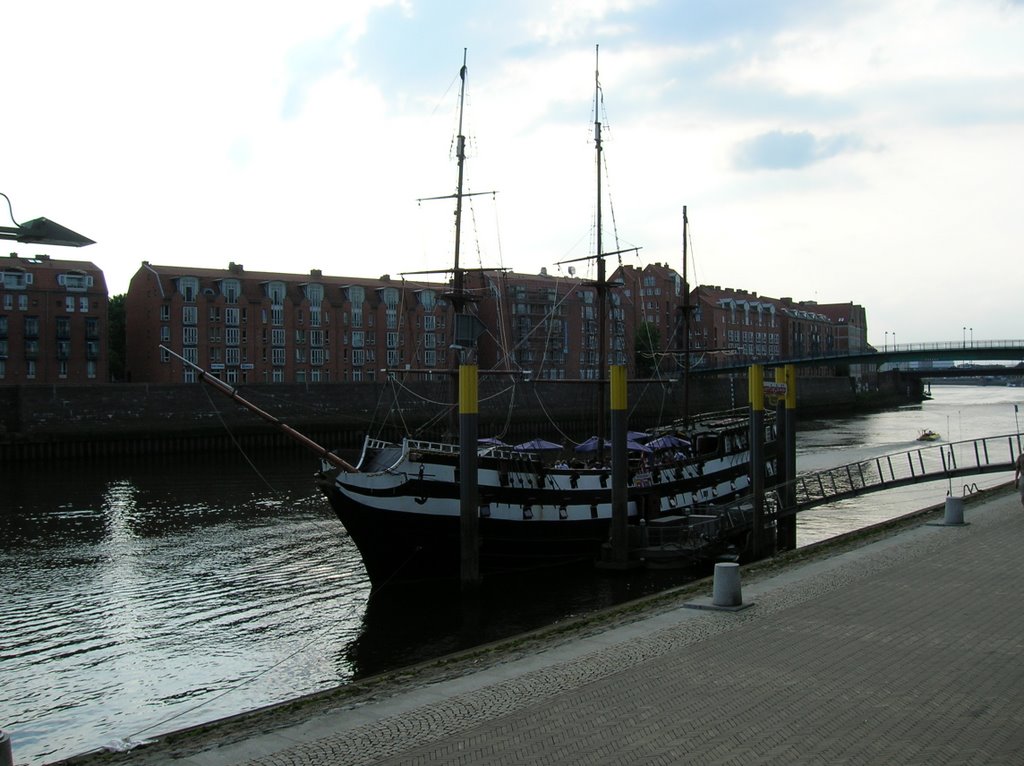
971 330
886 348
964 341
41 231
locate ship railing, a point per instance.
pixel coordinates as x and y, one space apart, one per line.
444 448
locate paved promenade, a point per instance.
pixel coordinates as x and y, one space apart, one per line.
905 650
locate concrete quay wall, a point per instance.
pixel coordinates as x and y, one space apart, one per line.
39 422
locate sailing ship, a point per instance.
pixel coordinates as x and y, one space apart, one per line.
400 503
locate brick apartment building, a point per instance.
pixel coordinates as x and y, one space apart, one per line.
53 321
255 327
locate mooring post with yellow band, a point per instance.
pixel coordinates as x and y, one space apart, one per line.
620 466
469 505
755 380
785 456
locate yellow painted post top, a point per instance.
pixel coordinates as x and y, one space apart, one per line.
755 380
468 397
790 386
617 377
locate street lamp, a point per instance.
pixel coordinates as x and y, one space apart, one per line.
886 340
964 341
41 231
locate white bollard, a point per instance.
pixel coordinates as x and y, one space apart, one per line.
725 590
954 511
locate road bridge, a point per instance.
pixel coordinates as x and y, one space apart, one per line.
977 350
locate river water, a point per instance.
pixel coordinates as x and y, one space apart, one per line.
143 596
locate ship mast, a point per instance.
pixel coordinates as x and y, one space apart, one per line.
686 328
602 285
458 280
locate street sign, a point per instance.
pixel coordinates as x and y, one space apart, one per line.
774 389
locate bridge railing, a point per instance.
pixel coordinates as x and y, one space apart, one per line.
927 463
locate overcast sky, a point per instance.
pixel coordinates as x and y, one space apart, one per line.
866 151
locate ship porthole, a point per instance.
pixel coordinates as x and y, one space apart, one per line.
563 512
527 511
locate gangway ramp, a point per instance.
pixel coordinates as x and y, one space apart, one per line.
935 462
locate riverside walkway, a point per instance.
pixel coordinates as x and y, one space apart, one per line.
901 646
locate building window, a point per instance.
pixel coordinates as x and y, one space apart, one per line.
189 314
430 358
23 303
316 356
69 304
165 313
231 317
277 357
314 294
276 291
83 305
16 279
358 357
189 336
392 340
277 337
30 369
230 288
74 280
188 287
231 336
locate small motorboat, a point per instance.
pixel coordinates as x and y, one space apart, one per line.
928 435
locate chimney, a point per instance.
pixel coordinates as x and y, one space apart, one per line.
316 273
235 268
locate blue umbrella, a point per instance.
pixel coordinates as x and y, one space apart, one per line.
635 436
667 442
537 445
590 445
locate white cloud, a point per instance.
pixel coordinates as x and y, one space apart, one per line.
300 137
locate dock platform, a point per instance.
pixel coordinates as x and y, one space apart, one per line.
898 647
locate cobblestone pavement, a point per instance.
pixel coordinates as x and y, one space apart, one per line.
907 650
